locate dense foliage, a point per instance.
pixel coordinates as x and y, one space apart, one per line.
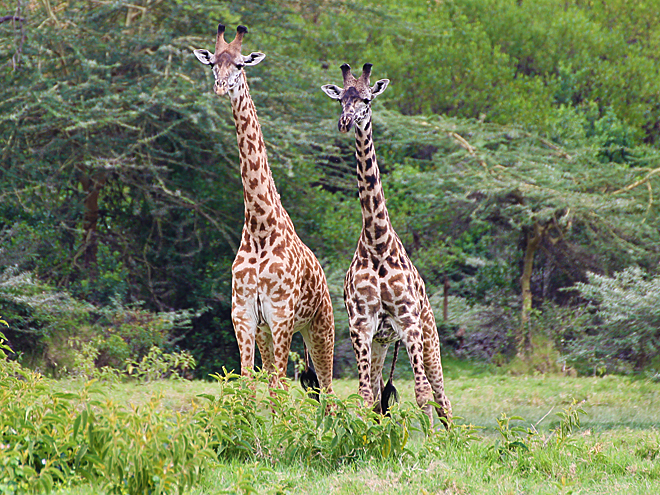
517 143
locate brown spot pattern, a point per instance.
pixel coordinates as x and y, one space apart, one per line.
278 285
384 294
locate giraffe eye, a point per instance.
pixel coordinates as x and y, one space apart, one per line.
367 101
240 66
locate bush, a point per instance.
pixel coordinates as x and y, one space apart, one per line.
625 324
58 332
43 319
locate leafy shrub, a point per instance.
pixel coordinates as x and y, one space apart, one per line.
157 365
139 329
541 357
626 319
42 318
486 330
3 347
338 432
50 438
79 339
513 439
299 428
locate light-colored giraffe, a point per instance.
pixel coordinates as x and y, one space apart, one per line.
278 285
384 294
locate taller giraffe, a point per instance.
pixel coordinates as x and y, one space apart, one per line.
384 294
278 285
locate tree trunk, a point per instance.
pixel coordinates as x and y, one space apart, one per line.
445 300
92 185
533 241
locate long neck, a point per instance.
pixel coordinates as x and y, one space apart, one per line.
376 224
262 202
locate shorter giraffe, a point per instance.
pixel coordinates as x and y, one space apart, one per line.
384 294
278 285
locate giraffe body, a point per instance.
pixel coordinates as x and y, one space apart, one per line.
384 294
278 285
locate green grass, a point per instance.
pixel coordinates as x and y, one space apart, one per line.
615 450
611 402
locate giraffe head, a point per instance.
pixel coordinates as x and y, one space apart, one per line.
227 62
355 97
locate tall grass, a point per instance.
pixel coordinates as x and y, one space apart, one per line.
513 435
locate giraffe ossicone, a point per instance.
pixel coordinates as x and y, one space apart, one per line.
278 285
384 294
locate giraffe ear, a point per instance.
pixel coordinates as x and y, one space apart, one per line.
254 58
204 56
332 90
379 87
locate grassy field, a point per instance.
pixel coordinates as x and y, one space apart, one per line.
616 448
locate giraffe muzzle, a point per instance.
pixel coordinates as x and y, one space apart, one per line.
220 88
346 123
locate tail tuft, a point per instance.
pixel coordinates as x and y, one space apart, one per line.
389 397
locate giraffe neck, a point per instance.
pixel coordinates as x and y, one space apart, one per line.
262 202
376 224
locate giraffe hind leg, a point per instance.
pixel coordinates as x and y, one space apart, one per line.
433 370
245 330
423 392
320 340
281 337
265 344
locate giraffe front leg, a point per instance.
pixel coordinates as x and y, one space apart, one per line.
281 345
245 329
265 343
414 341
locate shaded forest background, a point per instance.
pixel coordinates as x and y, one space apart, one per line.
518 143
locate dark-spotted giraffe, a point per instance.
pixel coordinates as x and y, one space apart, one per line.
278 285
384 294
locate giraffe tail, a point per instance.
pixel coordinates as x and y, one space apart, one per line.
308 378
390 395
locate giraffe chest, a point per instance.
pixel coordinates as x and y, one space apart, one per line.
383 291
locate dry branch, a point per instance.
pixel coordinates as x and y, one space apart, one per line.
8 18
637 183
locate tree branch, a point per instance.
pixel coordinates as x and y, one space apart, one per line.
637 183
7 18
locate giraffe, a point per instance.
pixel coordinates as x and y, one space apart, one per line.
278 285
384 294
